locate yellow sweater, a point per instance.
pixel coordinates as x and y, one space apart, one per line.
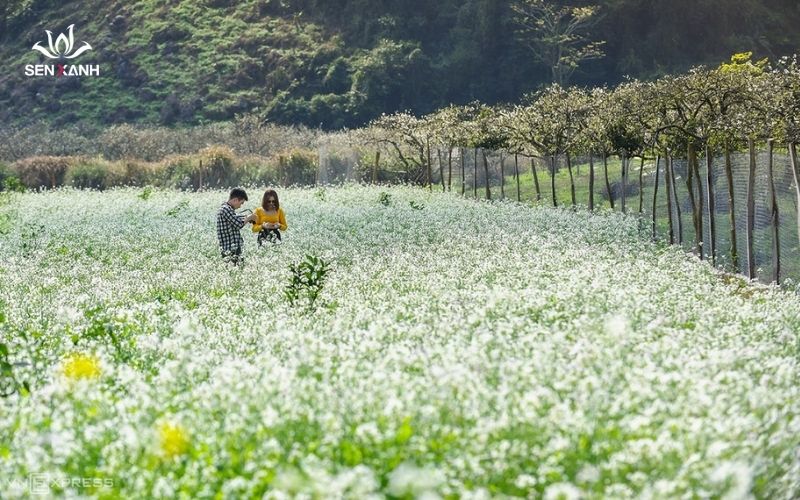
262 216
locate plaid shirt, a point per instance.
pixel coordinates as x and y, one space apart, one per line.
228 226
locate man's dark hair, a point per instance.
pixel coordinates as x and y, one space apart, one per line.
238 193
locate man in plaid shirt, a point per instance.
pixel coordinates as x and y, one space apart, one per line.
229 223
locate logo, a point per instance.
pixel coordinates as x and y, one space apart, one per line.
62 48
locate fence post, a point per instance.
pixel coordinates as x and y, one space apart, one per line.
516 174
200 174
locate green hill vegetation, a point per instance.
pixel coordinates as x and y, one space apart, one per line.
334 64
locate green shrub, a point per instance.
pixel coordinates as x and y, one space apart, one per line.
96 173
139 173
255 171
217 166
212 166
307 280
7 178
298 166
179 171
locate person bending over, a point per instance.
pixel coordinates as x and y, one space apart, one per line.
229 223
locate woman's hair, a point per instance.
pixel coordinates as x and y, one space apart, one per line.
270 194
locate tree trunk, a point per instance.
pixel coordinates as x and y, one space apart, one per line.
732 213
591 183
475 176
516 175
796 174
502 176
553 178
690 155
608 184
668 184
449 168
375 167
441 167
622 196
695 164
486 173
571 180
429 171
536 181
751 210
463 170
776 242
641 184
712 223
655 195
678 215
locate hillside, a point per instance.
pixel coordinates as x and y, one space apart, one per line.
340 63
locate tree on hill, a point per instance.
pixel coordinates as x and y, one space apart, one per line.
557 35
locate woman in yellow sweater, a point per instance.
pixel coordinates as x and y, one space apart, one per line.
270 219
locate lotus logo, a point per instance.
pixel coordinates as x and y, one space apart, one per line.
62 47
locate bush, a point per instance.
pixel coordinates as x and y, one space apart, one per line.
179 171
217 166
307 280
212 166
141 174
7 178
631 189
256 171
95 173
298 166
42 171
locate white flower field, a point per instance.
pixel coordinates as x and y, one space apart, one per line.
458 349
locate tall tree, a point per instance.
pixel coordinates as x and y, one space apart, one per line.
557 35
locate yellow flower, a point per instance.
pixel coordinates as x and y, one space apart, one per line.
174 439
80 366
